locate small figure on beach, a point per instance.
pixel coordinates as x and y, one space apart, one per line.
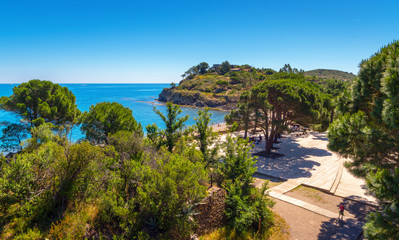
260 138
341 211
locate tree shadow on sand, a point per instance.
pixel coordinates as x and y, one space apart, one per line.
272 155
320 136
352 225
357 209
340 229
295 163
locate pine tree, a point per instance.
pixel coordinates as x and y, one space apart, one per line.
368 133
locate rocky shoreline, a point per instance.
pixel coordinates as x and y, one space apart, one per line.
196 99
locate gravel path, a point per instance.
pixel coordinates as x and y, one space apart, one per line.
330 202
305 224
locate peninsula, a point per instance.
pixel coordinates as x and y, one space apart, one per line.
220 86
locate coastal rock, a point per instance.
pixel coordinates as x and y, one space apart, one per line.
178 97
196 99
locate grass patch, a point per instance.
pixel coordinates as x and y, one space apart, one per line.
279 231
310 193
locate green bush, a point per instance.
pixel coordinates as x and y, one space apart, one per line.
222 83
246 206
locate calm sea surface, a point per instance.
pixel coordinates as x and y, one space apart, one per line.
140 98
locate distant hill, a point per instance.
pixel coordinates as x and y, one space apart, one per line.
330 74
215 89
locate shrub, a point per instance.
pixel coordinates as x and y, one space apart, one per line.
246 206
222 83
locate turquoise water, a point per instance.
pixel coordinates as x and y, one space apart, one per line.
140 98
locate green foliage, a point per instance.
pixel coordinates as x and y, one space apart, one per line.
149 191
12 137
107 118
248 212
174 127
246 79
40 101
370 112
222 83
201 68
169 190
334 87
155 135
238 164
287 69
246 206
283 101
368 133
384 224
41 135
225 68
242 115
206 137
36 187
331 74
31 234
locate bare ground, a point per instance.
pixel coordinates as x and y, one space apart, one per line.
330 202
304 224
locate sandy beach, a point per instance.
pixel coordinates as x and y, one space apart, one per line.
220 127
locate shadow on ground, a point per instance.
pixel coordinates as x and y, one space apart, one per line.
318 136
349 228
340 229
265 177
295 163
356 209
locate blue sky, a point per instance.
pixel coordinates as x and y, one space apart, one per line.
156 41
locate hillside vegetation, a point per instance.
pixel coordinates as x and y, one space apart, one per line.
330 74
118 183
221 85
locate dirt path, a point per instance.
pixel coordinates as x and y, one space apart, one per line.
330 202
304 225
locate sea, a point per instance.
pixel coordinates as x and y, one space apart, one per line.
140 98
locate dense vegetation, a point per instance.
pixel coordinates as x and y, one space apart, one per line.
37 102
284 99
330 74
367 131
221 85
119 183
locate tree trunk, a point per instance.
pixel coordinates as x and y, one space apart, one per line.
256 121
269 144
246 129
270 140
276 136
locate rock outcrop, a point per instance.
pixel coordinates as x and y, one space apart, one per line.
197 99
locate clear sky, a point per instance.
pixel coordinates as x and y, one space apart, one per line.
69 41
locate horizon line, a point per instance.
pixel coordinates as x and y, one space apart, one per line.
96 82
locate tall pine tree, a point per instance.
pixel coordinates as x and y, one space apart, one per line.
368 132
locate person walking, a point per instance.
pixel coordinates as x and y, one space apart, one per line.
341 211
